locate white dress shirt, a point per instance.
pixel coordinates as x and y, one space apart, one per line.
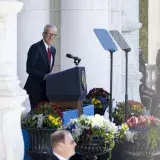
59 157
46 45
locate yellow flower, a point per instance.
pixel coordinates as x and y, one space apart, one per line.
56 121
50 117
125 126
134 107
98 101
95 101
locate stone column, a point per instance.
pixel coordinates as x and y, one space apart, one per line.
78 19
130 30
153 30
11 95
115 23
31 21
56 20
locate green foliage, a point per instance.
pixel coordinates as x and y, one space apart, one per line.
44 115
134 109
144 130
98 97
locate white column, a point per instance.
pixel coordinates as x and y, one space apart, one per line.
130 30
56 20
153 30
31 21
11 95
115 23
78 19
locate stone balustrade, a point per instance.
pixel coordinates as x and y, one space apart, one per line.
151 70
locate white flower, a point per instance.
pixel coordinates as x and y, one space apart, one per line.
82 123
75 120
130 136
113 128
40 120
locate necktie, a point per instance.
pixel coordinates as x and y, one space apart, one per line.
49 55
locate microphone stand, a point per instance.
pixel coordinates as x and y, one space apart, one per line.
76 61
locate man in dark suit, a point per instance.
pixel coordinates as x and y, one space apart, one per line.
40 63
63 145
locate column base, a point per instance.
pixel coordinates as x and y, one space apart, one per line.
11 109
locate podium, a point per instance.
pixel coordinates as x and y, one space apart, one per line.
68 88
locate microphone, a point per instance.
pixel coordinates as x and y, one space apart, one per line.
73 57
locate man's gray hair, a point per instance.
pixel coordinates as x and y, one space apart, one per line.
49 26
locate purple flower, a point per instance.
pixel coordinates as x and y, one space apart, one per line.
102 99
71 127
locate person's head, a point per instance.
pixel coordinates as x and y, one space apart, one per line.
63 144
49 33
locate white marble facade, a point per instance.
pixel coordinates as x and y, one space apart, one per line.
153 30
11 94
130 31
75 21
78 19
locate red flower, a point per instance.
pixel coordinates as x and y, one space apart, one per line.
142 120
47 108
131 103
131 122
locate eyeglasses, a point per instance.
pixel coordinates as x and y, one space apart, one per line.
50 35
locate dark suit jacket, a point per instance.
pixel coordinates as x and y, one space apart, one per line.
53 157
77 156
37 67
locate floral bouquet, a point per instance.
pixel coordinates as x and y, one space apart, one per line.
99 98
93 129
45 115
140 135
134 109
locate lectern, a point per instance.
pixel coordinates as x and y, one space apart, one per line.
67 88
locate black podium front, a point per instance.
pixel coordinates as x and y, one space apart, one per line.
67 88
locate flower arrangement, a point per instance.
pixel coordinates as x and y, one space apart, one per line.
141 130
98 97
91 129
44 115
134 109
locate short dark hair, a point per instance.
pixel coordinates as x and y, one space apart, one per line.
58 136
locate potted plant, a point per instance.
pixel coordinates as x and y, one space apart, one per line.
94 135
134 109
99 98
140 137
40 123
